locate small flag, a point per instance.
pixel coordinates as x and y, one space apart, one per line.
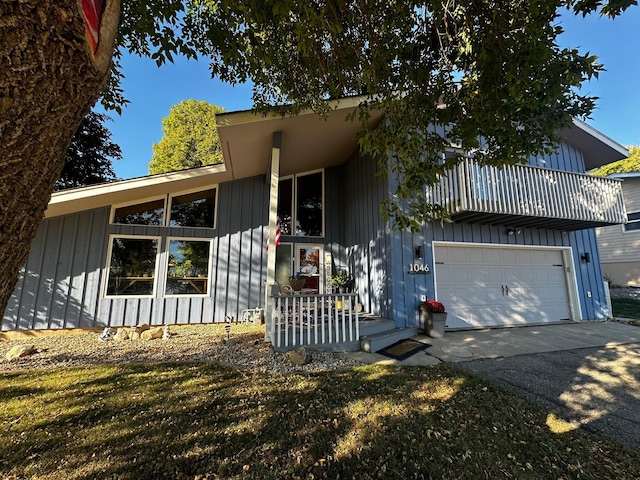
278 233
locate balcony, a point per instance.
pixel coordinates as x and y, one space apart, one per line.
525 196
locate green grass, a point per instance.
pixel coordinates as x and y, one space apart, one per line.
626 307
203 421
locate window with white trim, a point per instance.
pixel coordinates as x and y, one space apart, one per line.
132 266
633 223
186 209
188 263
301 205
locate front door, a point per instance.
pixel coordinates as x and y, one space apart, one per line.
309 263
304 260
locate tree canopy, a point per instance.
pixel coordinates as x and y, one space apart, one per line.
626 165
190 138
89 157
491 75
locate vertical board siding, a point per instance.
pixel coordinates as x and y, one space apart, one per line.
365 238
237 274
58 284
408 287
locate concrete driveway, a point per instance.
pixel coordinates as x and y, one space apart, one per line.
588 373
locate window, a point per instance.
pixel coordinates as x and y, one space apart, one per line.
132 266
194 209
188 267
633 224
300 205
148 213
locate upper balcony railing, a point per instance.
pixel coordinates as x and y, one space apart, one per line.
521 195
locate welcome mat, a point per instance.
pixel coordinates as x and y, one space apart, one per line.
402 349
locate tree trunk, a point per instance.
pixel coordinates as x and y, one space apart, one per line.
48 81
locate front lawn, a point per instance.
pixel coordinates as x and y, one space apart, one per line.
626 307
203 421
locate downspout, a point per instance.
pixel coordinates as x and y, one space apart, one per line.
274 178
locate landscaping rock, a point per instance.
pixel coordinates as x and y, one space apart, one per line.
152 333
20 351
121 335
301 356
135 332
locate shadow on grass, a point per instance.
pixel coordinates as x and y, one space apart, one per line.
184 420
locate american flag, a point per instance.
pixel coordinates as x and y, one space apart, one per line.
278 233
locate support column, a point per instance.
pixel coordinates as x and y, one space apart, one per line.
274 177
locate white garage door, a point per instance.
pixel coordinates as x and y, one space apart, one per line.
482 286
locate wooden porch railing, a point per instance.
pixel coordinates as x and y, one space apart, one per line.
323 322
520 192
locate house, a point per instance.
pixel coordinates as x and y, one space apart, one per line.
191 246
620 244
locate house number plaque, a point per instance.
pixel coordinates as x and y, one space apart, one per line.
418 268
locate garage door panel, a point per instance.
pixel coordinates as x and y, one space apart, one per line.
503 286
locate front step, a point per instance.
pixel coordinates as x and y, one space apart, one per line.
378 341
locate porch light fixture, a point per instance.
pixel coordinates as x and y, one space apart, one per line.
586 257
513 231
419 252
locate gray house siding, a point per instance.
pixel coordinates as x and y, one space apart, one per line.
408 287
237 276
366 239
59 285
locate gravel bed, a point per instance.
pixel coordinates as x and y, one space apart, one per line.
207 343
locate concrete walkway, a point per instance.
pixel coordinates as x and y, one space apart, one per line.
464 346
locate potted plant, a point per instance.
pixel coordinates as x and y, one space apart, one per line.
433 318
297 281
343 281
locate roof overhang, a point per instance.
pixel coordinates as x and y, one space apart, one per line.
309 141
106 194
597 149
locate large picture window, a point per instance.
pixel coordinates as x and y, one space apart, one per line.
301 205
188 267
132 266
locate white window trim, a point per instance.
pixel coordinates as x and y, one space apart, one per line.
167 199
295 203
624 225
114 207
165 269
171 196
108 267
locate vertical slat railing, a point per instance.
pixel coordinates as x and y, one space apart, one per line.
317 321
529 191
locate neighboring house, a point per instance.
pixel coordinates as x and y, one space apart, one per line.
620 244
190 247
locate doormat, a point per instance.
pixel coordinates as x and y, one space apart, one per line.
402 349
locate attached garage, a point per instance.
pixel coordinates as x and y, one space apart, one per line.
489 286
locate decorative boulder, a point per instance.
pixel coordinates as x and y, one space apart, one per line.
301 356
20 351
151 333
136 332
121 335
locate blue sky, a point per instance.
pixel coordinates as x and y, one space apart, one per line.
152 90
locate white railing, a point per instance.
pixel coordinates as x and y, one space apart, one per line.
315 321
529 191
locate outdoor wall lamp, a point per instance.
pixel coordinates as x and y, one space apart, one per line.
419 252
586 257
513 231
